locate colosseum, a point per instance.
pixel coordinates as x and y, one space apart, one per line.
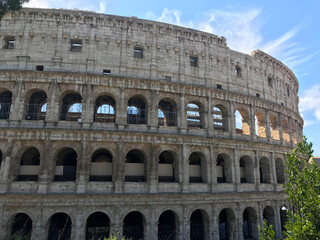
118 125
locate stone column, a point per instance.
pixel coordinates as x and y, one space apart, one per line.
290 131
232 123
152 111
209 124
273 170
236 168
183 118
252 122
121 110
256 170
268 126
215 225
280 127
213 168
45 175
78 228
17 105
87 108
118 170
277 229
2 223
239 223
152 170
82 168
185 169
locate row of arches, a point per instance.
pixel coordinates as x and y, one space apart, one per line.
97 225
101 167
137 113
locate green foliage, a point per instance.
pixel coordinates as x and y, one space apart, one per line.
13 237
6 5
303 189
266 232
115 237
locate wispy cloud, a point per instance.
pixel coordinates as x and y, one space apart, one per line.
310 101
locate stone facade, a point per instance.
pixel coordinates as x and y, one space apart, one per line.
134 121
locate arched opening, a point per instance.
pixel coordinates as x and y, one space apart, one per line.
29 165
136 111
133 226
194 118
66 167
220 118
242 122
97 226
264 169
199 225
274 127
59 227
167 227
0 158
5 104
37 106
246 170
197 169
226 224
101 166
285 130
167 167
166 113
135 166
260 125
71 107
250 224
268 214
21 227
280 173
224 169
293 132
104 110
283 217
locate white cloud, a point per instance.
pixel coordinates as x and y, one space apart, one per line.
310 101
102 5
37 4
308 123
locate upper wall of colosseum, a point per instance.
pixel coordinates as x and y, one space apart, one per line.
79 41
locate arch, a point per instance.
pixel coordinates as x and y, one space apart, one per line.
242 122
224 168
66 165
260 125
59 226
285 130
167 226
137 111
97 226
167 167
250 224
104 109
280 171
246 169
5 104
226 224
194 115
37 106
220 118
71 107
199 225
274 127
133 226
135 166
264 169
21 226
29 165
101 166
167 115
197 167
268 214
0 158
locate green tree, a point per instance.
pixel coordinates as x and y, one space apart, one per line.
6 5
303 189
266 232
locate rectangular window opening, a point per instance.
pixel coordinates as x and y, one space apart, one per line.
257 95
39 68
138 53
193 61
219 86
167 78
106 71
76 46
9 43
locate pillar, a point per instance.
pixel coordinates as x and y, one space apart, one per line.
185 169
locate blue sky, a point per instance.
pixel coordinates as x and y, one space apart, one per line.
287 30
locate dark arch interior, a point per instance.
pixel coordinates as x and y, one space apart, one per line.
246 170
0 158
21 226
98 226
224 169
66 167
249 226
167 226
29 160
136 111
36 101
135 171
166 161
268 214
283 217
71 107
5 104
104 110
226 222
197 226
133 226
101 166
169 113
59 227
195 168
264 169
